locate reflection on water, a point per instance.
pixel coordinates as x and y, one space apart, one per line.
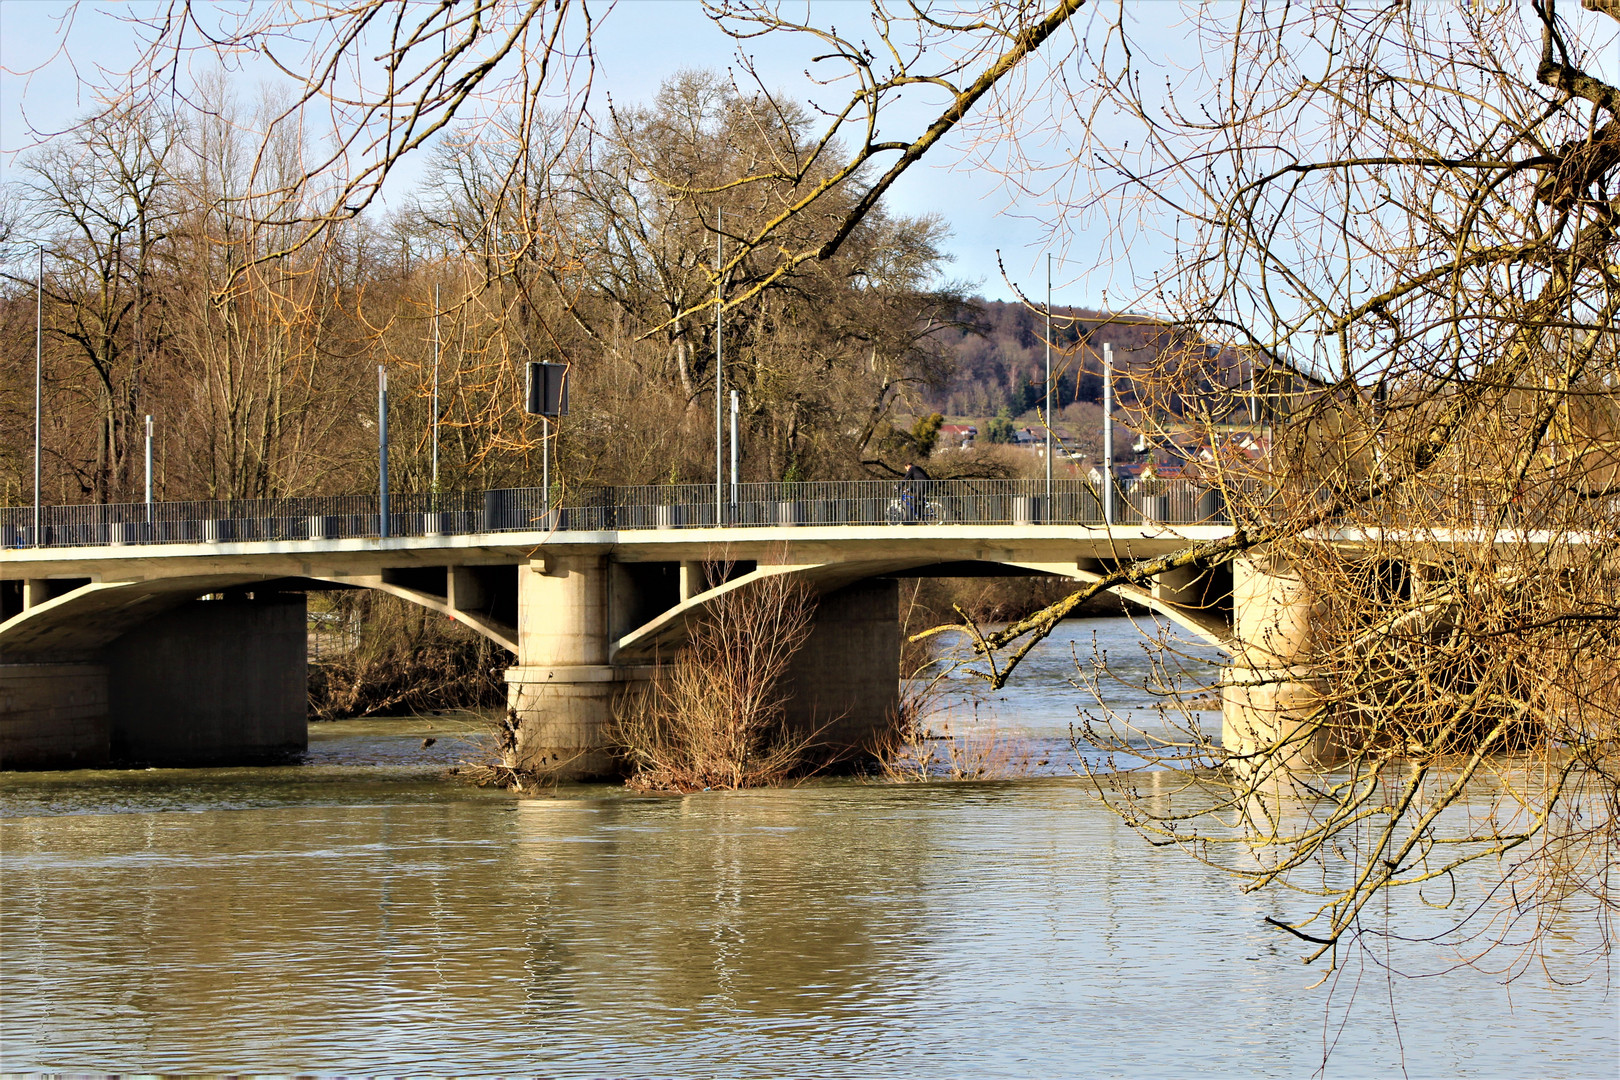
1032 716
373 918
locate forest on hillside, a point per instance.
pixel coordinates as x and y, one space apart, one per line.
998 362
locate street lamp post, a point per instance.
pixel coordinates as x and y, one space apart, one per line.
1108 433
39 380
435 390
719 374
734 454
382 452
1047 505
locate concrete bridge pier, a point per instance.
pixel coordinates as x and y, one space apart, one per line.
562 688
1270 697
53 713
212 681
199 682
844 685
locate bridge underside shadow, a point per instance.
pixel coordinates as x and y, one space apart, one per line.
189 670
1199 604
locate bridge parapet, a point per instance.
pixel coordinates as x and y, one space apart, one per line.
654 507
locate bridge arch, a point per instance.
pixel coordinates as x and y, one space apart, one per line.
92 616
670 628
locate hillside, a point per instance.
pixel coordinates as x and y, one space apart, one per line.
999 357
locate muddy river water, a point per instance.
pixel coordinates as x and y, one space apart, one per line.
363 913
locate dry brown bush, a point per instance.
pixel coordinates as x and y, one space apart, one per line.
936 746
927 739
715 718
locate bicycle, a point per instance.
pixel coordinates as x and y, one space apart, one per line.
911 507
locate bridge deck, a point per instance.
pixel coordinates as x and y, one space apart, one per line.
944 543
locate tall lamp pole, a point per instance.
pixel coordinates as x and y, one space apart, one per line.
382 452
1048 503
39 379
148 467
719 375
435 389
1108 433
734 453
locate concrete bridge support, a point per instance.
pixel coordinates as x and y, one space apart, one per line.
53 715
213 681
562 687
1270 695
844 683
206 682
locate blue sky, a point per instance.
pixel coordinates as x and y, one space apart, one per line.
641 43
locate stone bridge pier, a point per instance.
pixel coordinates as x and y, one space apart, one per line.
580 656
562 690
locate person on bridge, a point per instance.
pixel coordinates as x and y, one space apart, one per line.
914 491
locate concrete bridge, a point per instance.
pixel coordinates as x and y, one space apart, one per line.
176 633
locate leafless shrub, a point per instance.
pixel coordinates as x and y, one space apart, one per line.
715 718
945 747
927 739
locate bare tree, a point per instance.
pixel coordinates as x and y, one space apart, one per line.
1403 218
102 201
254 385
386 77
605 253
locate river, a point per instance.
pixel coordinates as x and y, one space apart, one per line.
364 913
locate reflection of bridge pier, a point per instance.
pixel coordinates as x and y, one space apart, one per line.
107 652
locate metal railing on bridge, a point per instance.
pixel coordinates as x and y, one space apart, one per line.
664 506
